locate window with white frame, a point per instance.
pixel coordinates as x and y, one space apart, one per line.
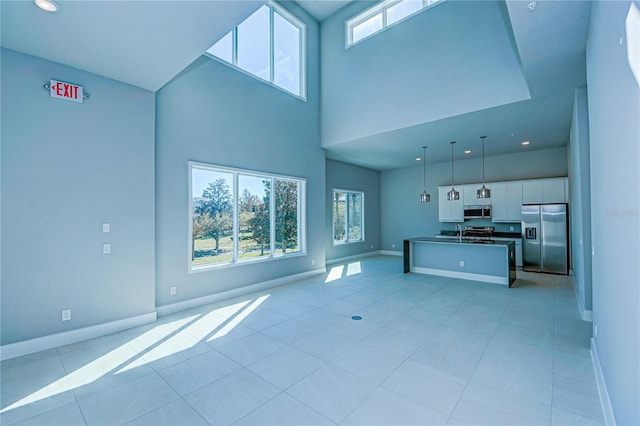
381 16
238 216
348 216
269 44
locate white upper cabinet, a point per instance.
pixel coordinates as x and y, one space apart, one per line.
471 195
506 202
544 191
450 211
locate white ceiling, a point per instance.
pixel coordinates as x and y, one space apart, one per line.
146 43
142 43
322 9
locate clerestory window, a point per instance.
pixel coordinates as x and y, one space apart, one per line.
381 16
269 44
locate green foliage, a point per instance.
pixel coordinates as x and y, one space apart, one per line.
286 193
213 221
260 223
217 204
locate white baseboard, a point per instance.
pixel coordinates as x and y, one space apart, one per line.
236 292
51 341
352 258
585 314
391 252
463 275
605 402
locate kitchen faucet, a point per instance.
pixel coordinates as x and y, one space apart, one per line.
459 231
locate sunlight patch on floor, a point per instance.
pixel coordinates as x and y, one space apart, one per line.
233 322
354 268
334 274
100 366
159 342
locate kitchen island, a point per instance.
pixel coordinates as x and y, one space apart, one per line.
466 259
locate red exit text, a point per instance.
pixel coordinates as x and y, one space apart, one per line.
66 91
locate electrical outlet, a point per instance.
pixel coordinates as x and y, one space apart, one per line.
66 315
313 262
106 227
512 228
595 331
371 245
172 290
106 248
462 263
393 246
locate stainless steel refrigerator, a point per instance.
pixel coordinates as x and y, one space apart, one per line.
545 238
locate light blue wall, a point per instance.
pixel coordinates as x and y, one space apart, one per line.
580 210
214 114
436 64
403 216
346 176
614 134
66 169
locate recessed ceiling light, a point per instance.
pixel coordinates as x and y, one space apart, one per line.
418 158
47 5
467 151
532 6
525 142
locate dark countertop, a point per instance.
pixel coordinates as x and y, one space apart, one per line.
456 241
495 234
507 235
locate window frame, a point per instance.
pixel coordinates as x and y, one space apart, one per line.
236 260
382 8
347 192
302 50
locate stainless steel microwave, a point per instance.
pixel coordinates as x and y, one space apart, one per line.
477 212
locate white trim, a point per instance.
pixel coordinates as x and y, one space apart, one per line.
354 257
382 8
463 275
43 343
302 50
605 401
391 253
347 214
229 294
585 314
235 173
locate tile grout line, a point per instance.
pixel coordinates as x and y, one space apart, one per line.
476 367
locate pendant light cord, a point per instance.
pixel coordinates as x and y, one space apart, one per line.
483 138
424 167
452 184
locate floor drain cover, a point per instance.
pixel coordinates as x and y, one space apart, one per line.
356 317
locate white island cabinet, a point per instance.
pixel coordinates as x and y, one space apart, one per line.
450 211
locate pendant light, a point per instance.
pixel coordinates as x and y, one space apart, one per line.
453 194
425 197
483 192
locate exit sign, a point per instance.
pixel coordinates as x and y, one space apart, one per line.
66 91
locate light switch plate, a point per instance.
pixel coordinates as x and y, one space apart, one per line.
106 248
66 315
106 227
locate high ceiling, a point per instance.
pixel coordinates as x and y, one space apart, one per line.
147 43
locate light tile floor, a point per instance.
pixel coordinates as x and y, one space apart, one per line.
428 350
